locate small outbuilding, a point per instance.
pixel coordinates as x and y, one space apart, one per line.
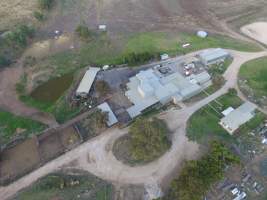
102 27
87 82
202 34
112 119
236 118
164 56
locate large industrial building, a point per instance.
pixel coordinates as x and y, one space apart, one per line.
212 56
235 118
163 84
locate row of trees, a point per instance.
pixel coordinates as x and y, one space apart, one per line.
148 139
197 176
138 58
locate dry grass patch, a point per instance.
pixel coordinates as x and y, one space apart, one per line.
14 11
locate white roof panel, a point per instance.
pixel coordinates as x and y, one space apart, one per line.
87 81
239 116
213 54
112 119
227 111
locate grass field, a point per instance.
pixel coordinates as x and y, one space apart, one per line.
255 74
68 187
12 126
103 50
203 125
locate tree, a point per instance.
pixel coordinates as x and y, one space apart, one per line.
218 81
148 139
39 15
46 4
137 58
232 91
20 36
83 32
197 176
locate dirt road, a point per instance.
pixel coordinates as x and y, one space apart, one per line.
9 100
95 156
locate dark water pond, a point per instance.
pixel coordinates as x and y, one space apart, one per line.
52 89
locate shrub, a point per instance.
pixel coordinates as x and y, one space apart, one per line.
46 4
4 61
148 139
232 91
138 58
83 32
20 36
39 15
218 81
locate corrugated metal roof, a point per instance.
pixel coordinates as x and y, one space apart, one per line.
213 54
87 81
112 119
203 77
148 88
238 117
227 111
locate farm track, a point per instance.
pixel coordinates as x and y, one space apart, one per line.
9 100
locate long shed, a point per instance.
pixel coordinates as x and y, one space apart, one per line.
87 82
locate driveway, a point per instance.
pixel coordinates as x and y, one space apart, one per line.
95 156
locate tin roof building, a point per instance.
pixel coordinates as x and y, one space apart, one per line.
87 82
211 56
234 119
112 119
159 85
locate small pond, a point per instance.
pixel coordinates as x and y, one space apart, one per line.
51 90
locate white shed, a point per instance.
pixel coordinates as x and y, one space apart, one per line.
212 56
202 34
87 82
102 27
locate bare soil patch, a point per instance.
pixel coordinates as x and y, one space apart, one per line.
31 153
69 137
19 160
256 31
50 147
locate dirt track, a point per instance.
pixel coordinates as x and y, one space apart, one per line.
96 157
9 100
